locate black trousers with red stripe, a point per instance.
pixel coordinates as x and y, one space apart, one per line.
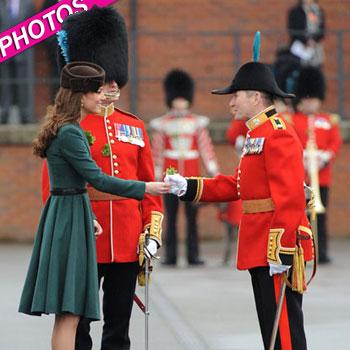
291 334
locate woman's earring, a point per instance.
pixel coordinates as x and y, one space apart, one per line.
82 104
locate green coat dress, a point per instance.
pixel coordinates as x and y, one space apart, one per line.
62 275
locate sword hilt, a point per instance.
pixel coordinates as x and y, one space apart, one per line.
147 237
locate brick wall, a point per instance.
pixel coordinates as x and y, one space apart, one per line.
197 35
20 201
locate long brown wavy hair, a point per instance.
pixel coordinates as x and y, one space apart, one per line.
66 110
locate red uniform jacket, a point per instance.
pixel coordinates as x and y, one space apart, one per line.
237 128
271 167
180 142
328 138
121 148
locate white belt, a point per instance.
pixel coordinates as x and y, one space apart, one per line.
176 154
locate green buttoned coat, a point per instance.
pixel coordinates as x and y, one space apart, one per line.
62 275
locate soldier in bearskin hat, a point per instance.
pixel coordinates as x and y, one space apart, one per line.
270 182
311 124
62 275
180 140
120 146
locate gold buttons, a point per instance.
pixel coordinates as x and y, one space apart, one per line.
110 134
112 141
108 121
114 156
116 171
109 128
116 164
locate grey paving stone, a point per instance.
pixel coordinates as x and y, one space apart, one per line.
206 308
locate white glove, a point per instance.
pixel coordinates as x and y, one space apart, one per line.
151 249
323 157
278 269
310 197
98 228
178 184
308 192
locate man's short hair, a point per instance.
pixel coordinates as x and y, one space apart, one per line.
267 98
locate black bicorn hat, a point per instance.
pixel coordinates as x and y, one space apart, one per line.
82 77
178 83
311 83
254 76
99 36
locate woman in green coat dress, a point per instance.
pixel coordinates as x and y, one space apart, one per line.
62 275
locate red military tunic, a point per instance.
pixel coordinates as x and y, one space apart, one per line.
270 171
235 135
121 148
180 142
327 135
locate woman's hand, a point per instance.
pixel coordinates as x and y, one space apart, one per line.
157 188
98 228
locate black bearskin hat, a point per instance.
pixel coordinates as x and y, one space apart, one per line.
98 36
178 83
311 83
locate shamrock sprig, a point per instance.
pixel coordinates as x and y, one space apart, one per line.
170 171
91 138
106 150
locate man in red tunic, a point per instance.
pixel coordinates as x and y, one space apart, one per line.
230 213
120 146
181 140
310 122
270 182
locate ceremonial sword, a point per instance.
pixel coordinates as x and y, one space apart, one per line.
144 307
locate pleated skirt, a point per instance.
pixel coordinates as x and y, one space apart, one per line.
62 275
